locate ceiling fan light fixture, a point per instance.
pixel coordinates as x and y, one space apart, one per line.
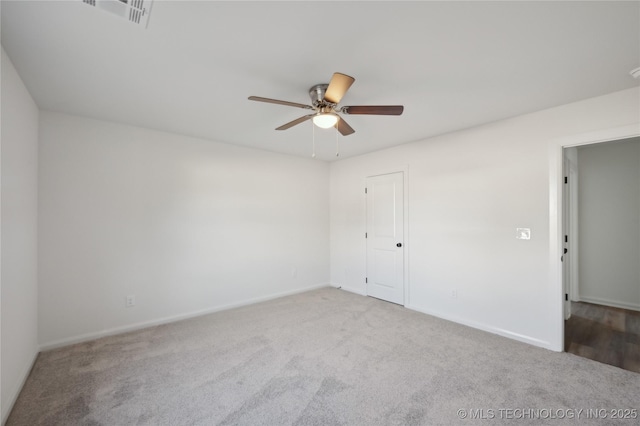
325 120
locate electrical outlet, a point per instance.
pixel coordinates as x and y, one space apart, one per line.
131 301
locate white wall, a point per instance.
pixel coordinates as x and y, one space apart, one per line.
186 225
468 192
609 223
18 288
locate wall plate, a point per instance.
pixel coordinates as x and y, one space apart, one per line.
523 233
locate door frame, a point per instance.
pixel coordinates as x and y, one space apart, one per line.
405 229
556 212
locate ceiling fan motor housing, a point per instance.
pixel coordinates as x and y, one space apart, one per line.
317 94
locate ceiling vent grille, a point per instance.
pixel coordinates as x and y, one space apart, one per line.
134 11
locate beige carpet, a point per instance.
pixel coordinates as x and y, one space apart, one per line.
325 357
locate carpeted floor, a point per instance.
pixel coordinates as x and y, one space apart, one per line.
325 357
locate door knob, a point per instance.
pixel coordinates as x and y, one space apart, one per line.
399 245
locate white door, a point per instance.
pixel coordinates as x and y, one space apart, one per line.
385 230
566 225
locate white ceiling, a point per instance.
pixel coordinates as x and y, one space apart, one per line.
452 65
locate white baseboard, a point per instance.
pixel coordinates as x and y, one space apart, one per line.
165 320
15 391
608 302
495 330
350 289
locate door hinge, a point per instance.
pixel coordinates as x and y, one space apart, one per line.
365 190
566 179
366 280
566 297
365 235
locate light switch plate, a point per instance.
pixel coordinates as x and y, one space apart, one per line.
523 233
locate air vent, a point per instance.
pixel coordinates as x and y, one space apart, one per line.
134 11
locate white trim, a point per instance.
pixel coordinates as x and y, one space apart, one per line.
484 327
124 329
351 289
15 392
405 197
574 237
609 302
555 214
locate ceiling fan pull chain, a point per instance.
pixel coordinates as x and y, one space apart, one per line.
313 139
337 146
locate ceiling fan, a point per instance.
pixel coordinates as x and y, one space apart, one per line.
324 102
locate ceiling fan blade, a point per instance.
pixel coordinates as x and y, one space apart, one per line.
276 101
373 109
294 122
338 86
343 127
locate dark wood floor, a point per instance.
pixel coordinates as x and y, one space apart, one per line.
604 334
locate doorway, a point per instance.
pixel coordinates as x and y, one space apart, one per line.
556 234
601 249
385 237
